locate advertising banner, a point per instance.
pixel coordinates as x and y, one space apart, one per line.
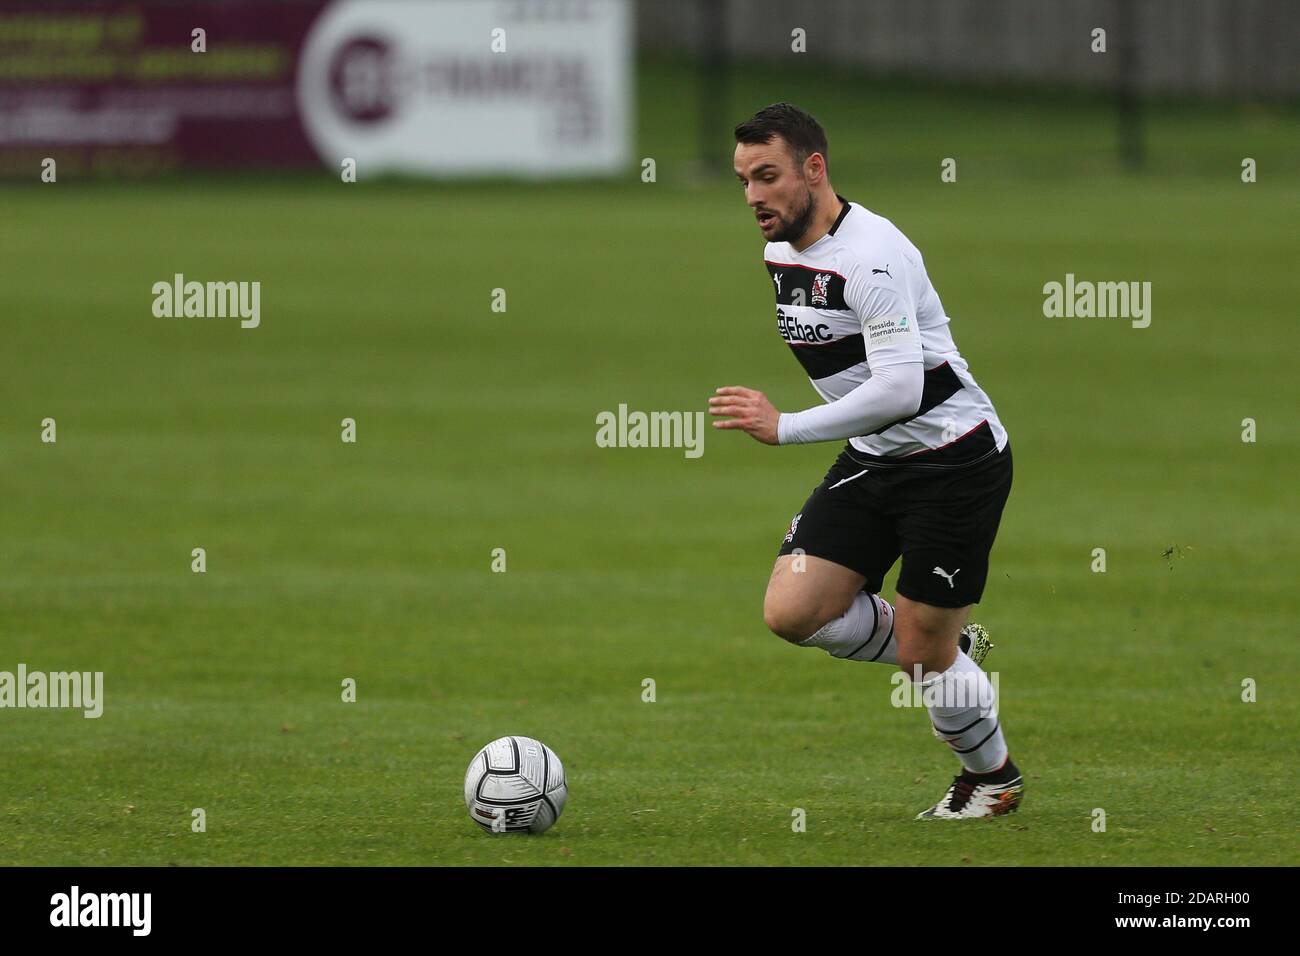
425 87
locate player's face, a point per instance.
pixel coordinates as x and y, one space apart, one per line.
776 189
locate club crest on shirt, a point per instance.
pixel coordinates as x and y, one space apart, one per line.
821 282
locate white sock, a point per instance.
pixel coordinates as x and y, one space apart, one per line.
965 715
865 632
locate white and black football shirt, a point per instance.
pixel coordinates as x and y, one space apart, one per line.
860 296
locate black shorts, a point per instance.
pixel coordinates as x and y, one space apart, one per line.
941 521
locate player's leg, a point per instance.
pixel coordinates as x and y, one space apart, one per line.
813 602
963 711
947 525
929 642
834 557
927 635
805 592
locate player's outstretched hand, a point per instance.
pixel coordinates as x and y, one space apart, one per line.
746 409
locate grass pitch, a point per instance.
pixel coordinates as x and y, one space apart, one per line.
1120 691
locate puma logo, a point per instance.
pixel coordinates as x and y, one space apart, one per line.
876 272
944 574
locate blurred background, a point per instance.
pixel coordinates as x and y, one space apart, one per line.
572 87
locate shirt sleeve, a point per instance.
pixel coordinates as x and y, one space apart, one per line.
893 349
888 318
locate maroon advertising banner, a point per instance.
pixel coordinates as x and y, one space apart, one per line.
423 87
116 89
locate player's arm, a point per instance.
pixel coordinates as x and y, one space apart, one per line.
893 348
891 394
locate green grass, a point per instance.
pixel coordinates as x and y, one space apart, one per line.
476 431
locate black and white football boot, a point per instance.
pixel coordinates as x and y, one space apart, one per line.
975 795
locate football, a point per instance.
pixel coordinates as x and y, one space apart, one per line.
515 785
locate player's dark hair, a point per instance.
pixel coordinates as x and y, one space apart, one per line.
797 127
